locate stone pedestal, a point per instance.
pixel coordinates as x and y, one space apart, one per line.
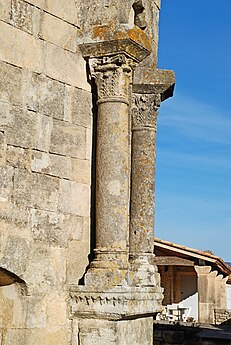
107 332
117 303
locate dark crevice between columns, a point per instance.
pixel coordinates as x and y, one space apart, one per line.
93 169
94 94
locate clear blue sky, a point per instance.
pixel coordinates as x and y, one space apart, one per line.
193 176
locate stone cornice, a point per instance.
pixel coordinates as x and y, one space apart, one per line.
115 304
158 82
109 48
107 41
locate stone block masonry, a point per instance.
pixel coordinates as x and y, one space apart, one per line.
221 315
45 168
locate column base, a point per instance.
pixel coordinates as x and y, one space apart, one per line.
109 268
106 310
142 271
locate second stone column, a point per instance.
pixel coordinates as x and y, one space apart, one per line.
144 119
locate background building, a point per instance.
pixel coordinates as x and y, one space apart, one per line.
195 282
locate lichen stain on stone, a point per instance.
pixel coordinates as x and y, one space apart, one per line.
21 15
139 36
114 187
101 32
46 170
105 32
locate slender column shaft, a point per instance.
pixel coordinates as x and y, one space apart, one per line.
112 185
112 76
143 173
211 296
223 293
144 117
218 282
203 306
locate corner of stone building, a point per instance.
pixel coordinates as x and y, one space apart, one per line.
45 168
121 291
74 116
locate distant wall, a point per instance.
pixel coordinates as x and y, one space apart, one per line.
167 282
228 294
222 315
192 304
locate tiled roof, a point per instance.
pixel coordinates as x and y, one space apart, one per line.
204 255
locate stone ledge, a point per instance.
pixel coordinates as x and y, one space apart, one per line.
118 303
157 82
125 46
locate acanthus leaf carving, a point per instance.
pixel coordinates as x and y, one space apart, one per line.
112 75
145 110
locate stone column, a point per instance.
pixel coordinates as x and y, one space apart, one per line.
145 104
113 78
221 299
220 288
223 293
144 120
202 283
211 296
218 281
206 294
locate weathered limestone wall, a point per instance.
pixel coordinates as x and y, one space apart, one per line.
45 168
61 64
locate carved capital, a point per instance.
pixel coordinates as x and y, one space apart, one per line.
145 110
112 75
